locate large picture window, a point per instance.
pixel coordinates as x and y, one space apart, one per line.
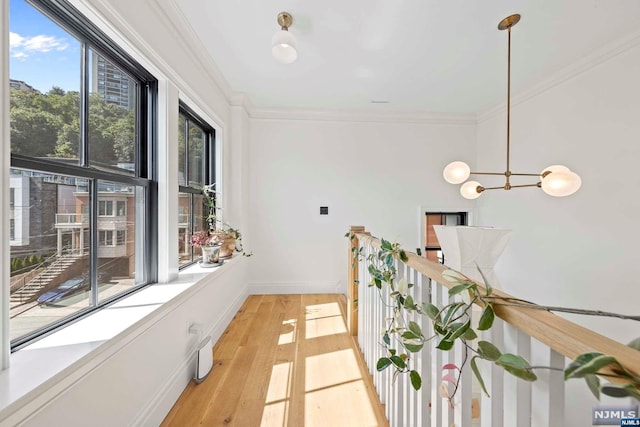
196 154
81 169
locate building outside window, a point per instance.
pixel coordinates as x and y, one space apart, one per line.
81 168
196 160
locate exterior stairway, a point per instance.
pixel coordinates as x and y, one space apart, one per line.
34 287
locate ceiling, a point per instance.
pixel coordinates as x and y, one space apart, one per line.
444 56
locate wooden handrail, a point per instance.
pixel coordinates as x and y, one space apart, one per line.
558 333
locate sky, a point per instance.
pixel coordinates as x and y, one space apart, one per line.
42 54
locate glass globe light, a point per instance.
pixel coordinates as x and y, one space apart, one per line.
283 47
456 172
561 184
469 190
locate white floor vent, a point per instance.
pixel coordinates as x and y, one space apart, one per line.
204 359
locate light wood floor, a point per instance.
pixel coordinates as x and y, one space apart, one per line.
285 360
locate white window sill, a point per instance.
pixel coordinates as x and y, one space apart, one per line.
81 346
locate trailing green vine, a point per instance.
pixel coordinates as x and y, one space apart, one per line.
452 323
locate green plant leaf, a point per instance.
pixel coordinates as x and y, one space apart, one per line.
451 311
516 365
431 311
455 290
386 339
445 345
408 302
388 260
487 285
415 328
413 348
459 329
416 381
488 351
593 382
469 335
385 245
383 363
589 365
486 319
398 361
404 258
635 344
615 390
476 371
410 335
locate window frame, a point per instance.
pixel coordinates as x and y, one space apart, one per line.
90 37
208 168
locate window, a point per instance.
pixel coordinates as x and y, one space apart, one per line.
121 208
79 154
105 237
105 208
120 237
432 249
196 151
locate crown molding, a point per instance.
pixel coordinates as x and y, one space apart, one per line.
366 116
571 71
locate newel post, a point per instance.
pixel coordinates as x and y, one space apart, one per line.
352 287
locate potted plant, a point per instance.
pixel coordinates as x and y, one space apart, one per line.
209 246
221 232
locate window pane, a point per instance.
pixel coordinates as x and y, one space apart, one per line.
196 150
112 116
182 176
200 213
49 254
184 229
117 239
45 85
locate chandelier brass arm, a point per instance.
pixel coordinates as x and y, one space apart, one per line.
556 180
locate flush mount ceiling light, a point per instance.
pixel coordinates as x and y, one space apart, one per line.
556 180
283 43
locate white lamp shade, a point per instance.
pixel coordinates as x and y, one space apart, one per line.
555 168
561 184
456 172
283 47
469 190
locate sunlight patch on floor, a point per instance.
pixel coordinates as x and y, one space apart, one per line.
317 311
329 369
275 414
288 332
323 320
277 402
280 382
327 407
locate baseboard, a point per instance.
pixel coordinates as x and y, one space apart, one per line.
162 402
314 287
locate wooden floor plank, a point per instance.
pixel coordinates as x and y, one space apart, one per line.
285 360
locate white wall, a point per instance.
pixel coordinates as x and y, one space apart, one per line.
582 250
371 172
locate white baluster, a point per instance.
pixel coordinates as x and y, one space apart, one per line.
556 390
428 381
492 408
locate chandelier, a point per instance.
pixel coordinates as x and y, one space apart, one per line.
556 180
